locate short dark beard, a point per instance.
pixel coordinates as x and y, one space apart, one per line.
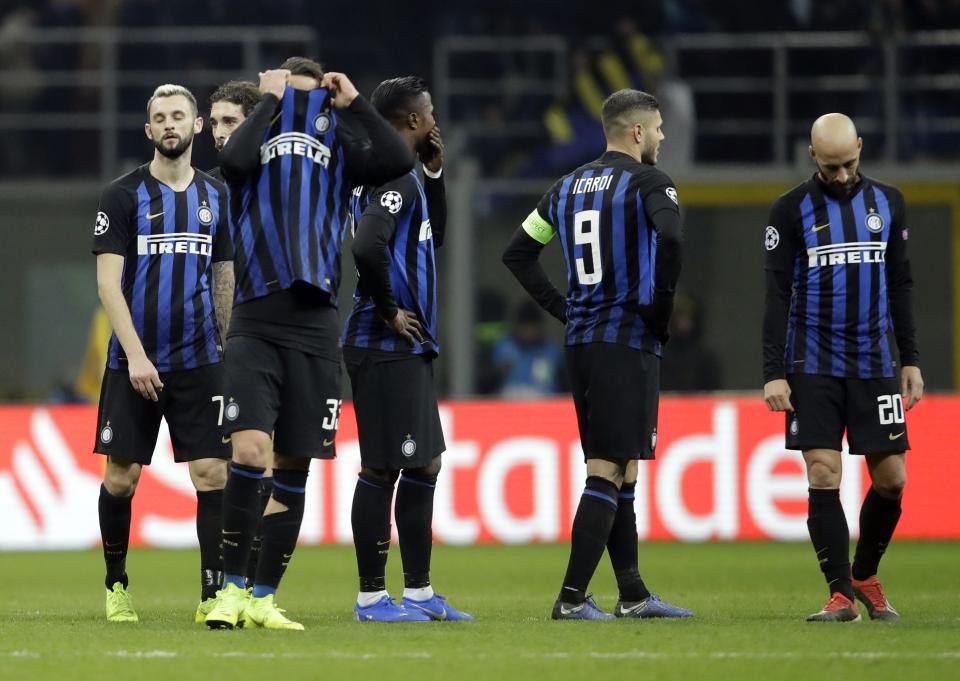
175 152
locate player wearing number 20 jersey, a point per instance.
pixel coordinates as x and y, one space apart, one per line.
618 221
839 292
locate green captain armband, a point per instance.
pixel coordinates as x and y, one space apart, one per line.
538 228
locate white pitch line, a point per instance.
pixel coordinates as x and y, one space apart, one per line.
421 655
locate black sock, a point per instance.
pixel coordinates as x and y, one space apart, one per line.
591 529
831 539
878 519
210 536
370 518
280 530
622 546
414 514
115 534
240 509
266 489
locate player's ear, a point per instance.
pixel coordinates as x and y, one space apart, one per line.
813 152
147 131
413 120
859 143
198 124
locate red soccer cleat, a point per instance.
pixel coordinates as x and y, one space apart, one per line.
870 593
838 609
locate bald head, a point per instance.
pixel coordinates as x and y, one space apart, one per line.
835 147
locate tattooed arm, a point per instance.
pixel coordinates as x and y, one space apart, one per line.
223 295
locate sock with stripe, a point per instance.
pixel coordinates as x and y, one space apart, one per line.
878 519
241 508
115 515
210 536
622 545
266 489
370 518
280 530
414 515
831 539
588 538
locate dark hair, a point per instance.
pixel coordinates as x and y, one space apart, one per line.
618 107
243 93
302 66
395 98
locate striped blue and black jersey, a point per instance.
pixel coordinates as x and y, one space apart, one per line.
402 204
169 240
846 259
604 213
287 215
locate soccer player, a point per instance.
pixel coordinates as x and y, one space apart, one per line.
165 278
289 168
619 226
389 344
839 290
230 104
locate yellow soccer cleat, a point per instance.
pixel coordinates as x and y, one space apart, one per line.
263 612
203 609
228 607
120 605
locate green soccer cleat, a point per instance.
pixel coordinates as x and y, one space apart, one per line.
228 608
120 605
204 608
263 612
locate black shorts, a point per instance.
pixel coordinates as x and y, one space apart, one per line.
870 409
191 401
289 393
398 421
616 390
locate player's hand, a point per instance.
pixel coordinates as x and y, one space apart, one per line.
274 82
342 90
656 316
911 386
776 394
144 378
432 160
407 325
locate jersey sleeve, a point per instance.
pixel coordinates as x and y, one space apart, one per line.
780 239
389 201
658 195
540 225
114 224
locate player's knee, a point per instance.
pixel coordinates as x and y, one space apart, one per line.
121 480
379 475
430 471
823 475
250 450
892 486
209 474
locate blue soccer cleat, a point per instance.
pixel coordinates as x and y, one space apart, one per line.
650 607
437 608
587 610
387 610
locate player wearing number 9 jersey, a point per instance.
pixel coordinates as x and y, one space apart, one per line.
619 225
839 291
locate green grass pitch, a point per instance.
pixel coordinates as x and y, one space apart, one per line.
750 601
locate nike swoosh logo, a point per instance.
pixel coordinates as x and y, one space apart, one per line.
327 443
894 437
626 611
817 228
441 614
569 611
383 543
225 440
226 532
151 216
